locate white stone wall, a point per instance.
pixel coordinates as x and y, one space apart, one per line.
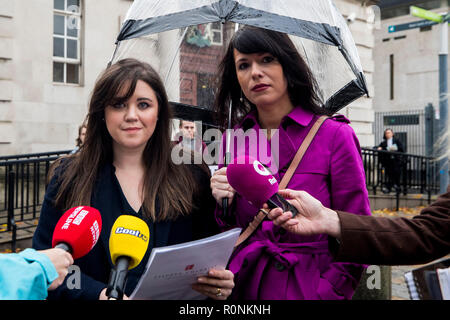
37 115
6 73
360 112
416 66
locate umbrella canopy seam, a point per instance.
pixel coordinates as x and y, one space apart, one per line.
320 32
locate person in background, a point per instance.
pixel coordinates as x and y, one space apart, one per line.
125 168
371 240
81 136
392 163
271 88
28 275
189 138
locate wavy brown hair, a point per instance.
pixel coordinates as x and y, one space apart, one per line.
172 184
302 86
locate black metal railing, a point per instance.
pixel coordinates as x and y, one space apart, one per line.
417 174
23 181
22 188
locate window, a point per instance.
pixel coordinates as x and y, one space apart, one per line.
216 30
427 28
205 91
66 41
205 35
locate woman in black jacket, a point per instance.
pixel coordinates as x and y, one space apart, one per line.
392 163
125 167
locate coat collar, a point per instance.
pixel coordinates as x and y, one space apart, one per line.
298 115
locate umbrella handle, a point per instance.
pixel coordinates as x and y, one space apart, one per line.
225 207
227 157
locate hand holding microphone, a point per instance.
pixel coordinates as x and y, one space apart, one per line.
128 244
314 218
256 184
61 260
76 232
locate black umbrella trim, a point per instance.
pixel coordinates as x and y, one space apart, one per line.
228 10
320 32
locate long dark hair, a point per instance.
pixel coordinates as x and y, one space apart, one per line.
172 184
301 83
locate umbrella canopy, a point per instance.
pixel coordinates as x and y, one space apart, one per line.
185 40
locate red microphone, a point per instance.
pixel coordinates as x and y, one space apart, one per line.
255 183
78 230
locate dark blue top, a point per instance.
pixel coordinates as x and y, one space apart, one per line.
109 199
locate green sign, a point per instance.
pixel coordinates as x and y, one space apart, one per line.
411 25
425 14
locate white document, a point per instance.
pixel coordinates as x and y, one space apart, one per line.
444 282
172 270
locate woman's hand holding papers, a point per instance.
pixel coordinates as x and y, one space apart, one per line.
217 285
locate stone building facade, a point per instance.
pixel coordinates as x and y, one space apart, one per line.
38 114
407 75
407 63
51 55
363 19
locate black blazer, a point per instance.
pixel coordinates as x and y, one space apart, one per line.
388 160
399 144
109 199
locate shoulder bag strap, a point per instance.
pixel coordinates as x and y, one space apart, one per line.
284 181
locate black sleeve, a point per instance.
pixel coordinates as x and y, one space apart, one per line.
203 221
42 239
400 146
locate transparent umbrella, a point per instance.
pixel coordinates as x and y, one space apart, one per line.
185 39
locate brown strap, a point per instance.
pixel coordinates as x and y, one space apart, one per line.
301 152
284 181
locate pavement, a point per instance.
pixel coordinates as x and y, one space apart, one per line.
399 287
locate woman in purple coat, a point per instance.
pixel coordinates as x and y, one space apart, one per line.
271 88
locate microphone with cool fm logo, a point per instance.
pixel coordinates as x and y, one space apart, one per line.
128 244
255 183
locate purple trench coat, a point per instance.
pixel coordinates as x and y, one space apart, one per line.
274 264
